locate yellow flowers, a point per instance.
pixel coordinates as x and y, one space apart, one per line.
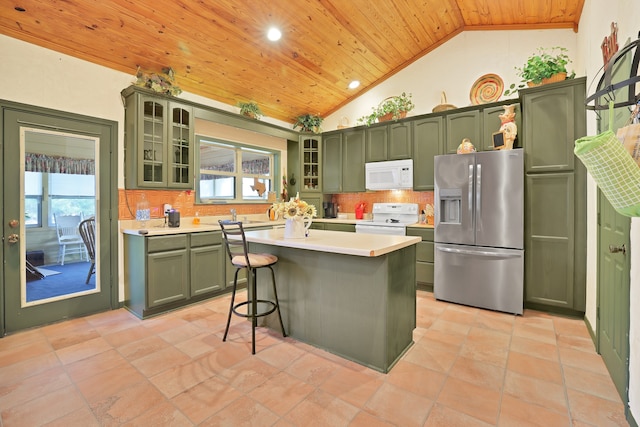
294 208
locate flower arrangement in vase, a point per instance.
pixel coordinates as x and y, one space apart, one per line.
298 216
294 208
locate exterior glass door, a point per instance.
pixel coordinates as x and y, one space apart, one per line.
51 193
58 182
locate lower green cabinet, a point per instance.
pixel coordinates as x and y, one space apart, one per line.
166 272
424 257
207 256
351 228
333 226
167 277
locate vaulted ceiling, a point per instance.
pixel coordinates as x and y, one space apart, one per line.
218 48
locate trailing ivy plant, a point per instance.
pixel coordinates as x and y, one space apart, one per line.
543 64
395 106
308 123
250 109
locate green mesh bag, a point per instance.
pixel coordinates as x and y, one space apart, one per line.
613 169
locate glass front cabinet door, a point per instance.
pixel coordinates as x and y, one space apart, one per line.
311 173
159 136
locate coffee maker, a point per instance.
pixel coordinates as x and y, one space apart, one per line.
329 210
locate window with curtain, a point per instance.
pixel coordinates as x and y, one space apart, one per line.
233 173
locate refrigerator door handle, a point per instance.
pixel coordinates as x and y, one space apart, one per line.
476 252
479 192
470 189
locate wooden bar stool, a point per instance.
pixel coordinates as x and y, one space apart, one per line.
241 258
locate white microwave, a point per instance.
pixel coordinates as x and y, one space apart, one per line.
391 175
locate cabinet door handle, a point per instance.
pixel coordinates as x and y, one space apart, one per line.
615 249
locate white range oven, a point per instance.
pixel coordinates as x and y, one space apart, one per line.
390 218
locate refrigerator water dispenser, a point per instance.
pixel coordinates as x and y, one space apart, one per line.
450 205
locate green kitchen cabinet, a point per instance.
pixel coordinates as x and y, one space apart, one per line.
317 225
555 198
311 163
464 124
168 271
376 143
207 256
400 140
388 142
554 117
332 162
424 257
333 226
343 161
159 141
353 160
428 142
491 123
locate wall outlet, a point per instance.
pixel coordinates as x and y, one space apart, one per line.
167 208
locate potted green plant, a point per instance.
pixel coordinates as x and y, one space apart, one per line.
391 108
250 109
308 123
547 65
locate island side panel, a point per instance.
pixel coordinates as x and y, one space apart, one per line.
401 301
344 303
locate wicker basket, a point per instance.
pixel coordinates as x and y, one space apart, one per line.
389 116
343 123
558 77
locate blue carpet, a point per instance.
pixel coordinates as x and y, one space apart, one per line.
71 279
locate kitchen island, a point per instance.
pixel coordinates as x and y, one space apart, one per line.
351 294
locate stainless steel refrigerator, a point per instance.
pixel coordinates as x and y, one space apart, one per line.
479 236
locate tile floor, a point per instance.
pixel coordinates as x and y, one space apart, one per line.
468 367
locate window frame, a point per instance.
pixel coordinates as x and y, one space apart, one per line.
274 156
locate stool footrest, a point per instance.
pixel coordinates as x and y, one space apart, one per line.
272 307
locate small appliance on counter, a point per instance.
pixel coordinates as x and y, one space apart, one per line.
174 219
330 210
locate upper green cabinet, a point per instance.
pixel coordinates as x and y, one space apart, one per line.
343 161
353 159
400 141
466 124
388 142
549 116
428 142
332 167
159 140
311 162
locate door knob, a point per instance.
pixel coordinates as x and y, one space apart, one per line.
13 238
615 249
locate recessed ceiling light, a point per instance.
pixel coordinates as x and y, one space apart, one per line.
354 84
274 34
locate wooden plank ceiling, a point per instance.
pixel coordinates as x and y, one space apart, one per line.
218 48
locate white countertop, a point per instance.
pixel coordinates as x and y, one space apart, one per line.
156 227
368 245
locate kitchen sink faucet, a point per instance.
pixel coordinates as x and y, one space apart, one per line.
233 214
